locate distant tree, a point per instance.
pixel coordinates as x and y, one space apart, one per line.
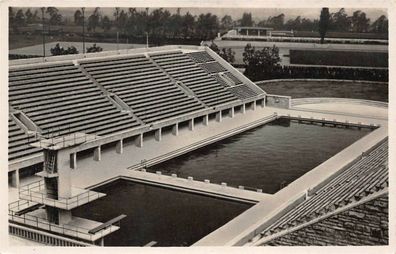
106 23
276 22
380 25
175 24
29 16
340 21
360 23
260 63
94 48
20 19
36 17
246 19
78 18
58 50
55 16
226 22
93 20
11 19
188 25
324 23
226 53
207 26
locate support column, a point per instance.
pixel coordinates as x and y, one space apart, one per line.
191 124
158 134
120 146
98 153
15 178
243 108
73 160
254 105
262 103
175 129
219 116
231 113
206 120
139 140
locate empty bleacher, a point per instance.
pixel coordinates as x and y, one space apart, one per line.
365 177
60 99
200 57
18 141
144 87
222 75
213 67
242 92
180 67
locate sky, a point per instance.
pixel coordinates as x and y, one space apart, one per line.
236 13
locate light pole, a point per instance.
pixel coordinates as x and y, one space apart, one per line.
42 32
83 25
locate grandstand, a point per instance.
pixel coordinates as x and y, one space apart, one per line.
136 96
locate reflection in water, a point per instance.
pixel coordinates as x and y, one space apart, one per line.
266 157
169 217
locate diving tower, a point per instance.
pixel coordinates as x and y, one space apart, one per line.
47 204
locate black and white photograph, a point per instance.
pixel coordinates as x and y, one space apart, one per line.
227 124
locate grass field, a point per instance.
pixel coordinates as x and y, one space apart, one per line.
339 58
336 89
349 35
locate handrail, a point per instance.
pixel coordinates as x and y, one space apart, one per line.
33 192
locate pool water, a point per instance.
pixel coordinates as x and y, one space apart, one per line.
267 157
169 217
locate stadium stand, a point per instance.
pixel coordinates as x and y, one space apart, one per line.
60 99
180 67
213 67
367 176
222 75
18 141
200 57
242 91
147 90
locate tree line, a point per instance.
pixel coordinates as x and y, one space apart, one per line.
161 22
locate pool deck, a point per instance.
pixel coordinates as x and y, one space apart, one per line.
91 173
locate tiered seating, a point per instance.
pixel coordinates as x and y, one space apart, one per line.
182 68
18 142
200 57
220 80
233 78
367 176
213 67
147 90
242 91
60 99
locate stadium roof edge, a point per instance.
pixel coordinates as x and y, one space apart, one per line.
68 58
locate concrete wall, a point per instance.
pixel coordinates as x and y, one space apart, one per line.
366 224
278 101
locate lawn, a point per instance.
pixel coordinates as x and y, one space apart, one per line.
336 89
339 58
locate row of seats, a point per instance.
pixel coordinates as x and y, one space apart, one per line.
180 67
367 176
213 67
60 99
242 91
143 86
200 57
18 141
222 75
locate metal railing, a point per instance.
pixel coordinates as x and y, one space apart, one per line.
33 192
74 231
